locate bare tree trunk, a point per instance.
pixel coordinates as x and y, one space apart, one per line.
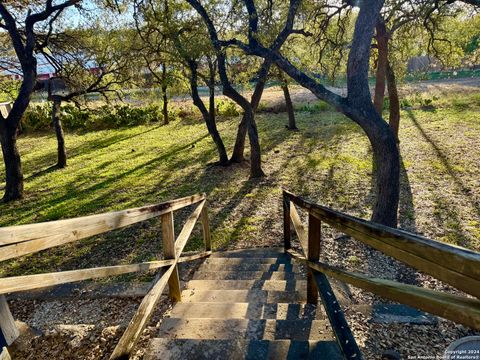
288 102
164 95
57 123
387 173
394 119
208 115
13 164
248 108
239 148
255 152
8 134
382 47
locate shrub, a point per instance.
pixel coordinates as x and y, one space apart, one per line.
37 118
105 117
314 107
418 100
227 107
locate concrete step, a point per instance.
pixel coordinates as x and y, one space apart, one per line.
256 253
247 266
239 349
250 260
247 275
251 296
303 330
241 310
278 285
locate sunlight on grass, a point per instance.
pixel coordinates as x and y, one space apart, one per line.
328 161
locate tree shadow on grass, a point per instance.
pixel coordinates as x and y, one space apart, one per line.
445 212
87 147
73 192
466 191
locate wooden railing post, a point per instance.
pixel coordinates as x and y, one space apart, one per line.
314 236
287 235
206 229
8 330
168 238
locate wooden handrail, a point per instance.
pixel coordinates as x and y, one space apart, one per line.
145 310
38 281
460 267
25 239
317 283
457 308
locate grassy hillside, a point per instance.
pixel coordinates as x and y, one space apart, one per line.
328 160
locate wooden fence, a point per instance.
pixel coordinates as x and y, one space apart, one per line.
27 239
451 264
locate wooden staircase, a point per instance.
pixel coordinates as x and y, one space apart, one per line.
255 303
246 304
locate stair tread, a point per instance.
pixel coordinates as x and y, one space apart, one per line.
249 267
255 252
247 275
250 260
279 285
252 296
245 304
192 349
254 329
244 310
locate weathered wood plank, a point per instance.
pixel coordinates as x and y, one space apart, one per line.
27 239
141 317
299 228
145 310
38 281
7 323
168 240
287 236
443 259
460 281
343 334
313 254
4 354
188 228
96 224
207 238
459 309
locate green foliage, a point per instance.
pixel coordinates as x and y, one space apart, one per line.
8 89
37 118
418 100
314 107
105 117
227 108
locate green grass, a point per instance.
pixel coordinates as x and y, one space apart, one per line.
328 160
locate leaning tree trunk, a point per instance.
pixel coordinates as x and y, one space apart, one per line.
13 164
394 119
288 102
382 47
255 152
239 148
208 115
164 95
228 90
57 123
358 107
